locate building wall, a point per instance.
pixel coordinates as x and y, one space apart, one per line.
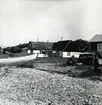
75 54
29 51
64 54
40 54
94 46
69 54
36 51
99 47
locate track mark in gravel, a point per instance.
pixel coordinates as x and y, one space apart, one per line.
58 72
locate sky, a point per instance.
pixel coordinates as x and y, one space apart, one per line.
22 21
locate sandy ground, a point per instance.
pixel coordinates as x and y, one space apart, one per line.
29 86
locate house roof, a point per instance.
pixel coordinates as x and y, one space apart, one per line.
72 46
61 45
96 38
41 45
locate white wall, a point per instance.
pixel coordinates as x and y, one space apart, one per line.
64 54
36 51
39 54
42 55
29 51
69 54
76 54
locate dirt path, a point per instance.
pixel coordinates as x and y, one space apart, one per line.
18 59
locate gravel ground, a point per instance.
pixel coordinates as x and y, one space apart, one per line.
29 86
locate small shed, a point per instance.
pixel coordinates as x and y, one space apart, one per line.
96 43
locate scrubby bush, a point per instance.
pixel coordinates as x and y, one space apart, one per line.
72 61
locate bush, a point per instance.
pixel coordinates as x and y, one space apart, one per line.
72 61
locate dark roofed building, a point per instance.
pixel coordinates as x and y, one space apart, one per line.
67 48
62 45
71 46
96 43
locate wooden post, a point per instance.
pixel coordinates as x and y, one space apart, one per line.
93 59
92 53
90 47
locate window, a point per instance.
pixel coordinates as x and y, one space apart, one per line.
43 52
99 47
68 53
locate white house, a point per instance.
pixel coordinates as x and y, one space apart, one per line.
41 48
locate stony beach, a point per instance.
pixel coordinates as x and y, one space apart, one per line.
49 83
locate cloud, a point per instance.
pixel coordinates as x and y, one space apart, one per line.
23 20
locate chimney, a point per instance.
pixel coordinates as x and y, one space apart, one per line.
61 38
47 41
37 39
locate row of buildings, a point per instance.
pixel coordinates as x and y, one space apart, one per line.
64 48
48 49
61 48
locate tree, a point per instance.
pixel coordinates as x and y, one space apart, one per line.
15 50
81 45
